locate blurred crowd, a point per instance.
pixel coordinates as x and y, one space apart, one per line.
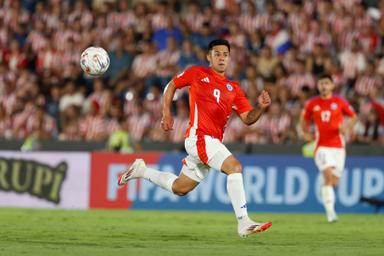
280 46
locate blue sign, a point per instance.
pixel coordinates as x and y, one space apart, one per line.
272 184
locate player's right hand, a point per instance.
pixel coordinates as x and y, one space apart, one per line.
167 122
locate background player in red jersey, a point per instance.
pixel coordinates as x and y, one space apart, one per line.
212 98
327 111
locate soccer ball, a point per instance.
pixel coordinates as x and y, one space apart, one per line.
94 61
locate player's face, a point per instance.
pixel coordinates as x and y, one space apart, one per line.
325 87
218 57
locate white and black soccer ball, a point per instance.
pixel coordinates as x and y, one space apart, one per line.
94 61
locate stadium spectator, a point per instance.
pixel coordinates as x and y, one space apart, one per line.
276 45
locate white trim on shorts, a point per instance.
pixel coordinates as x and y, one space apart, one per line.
326 157
215 154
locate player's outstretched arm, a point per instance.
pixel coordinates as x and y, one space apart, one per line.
167 120
250 117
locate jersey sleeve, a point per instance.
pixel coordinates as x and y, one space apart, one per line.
241 103
347 108
185 78
307 111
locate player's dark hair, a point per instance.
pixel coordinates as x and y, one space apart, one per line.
219 42
324 76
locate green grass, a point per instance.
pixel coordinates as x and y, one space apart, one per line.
57 232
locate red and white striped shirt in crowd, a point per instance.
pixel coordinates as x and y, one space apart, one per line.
194 21
159 21
312 39
144 65
365 84
14 17
111 125
167 61
102 98
4 38
37 41
52 20
346 38
239 40
5 127
369 40
19 123
129 107
138 125
180 125
128 19
102 35
92 128
114 19
47 124
338 79
153 107
263 21
352 63
363 23
346 4
233 129
49 59
248 22
9 102
296 81
85 16
277 126
15 61
60 39
68 57
338 22
309 8
257 132
295 22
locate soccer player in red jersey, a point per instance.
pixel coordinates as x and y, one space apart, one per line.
212 98
327 111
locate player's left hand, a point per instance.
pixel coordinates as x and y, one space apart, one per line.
264 99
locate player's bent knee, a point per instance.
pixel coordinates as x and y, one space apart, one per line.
181 191
237 168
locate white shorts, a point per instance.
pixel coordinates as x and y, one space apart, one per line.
203 153
326 157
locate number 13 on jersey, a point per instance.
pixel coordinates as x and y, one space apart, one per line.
216 94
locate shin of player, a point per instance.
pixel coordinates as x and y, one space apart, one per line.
327 111
212 98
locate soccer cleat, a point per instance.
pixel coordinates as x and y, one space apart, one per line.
251 227
136 170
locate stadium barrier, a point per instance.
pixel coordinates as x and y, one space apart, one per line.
241 148
273 183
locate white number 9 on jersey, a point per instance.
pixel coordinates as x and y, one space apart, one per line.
216 94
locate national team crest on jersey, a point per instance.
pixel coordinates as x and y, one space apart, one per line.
334 106
316 108
229 87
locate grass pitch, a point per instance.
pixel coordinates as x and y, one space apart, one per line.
57 232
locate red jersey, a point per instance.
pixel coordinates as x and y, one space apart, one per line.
211 100
328 115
